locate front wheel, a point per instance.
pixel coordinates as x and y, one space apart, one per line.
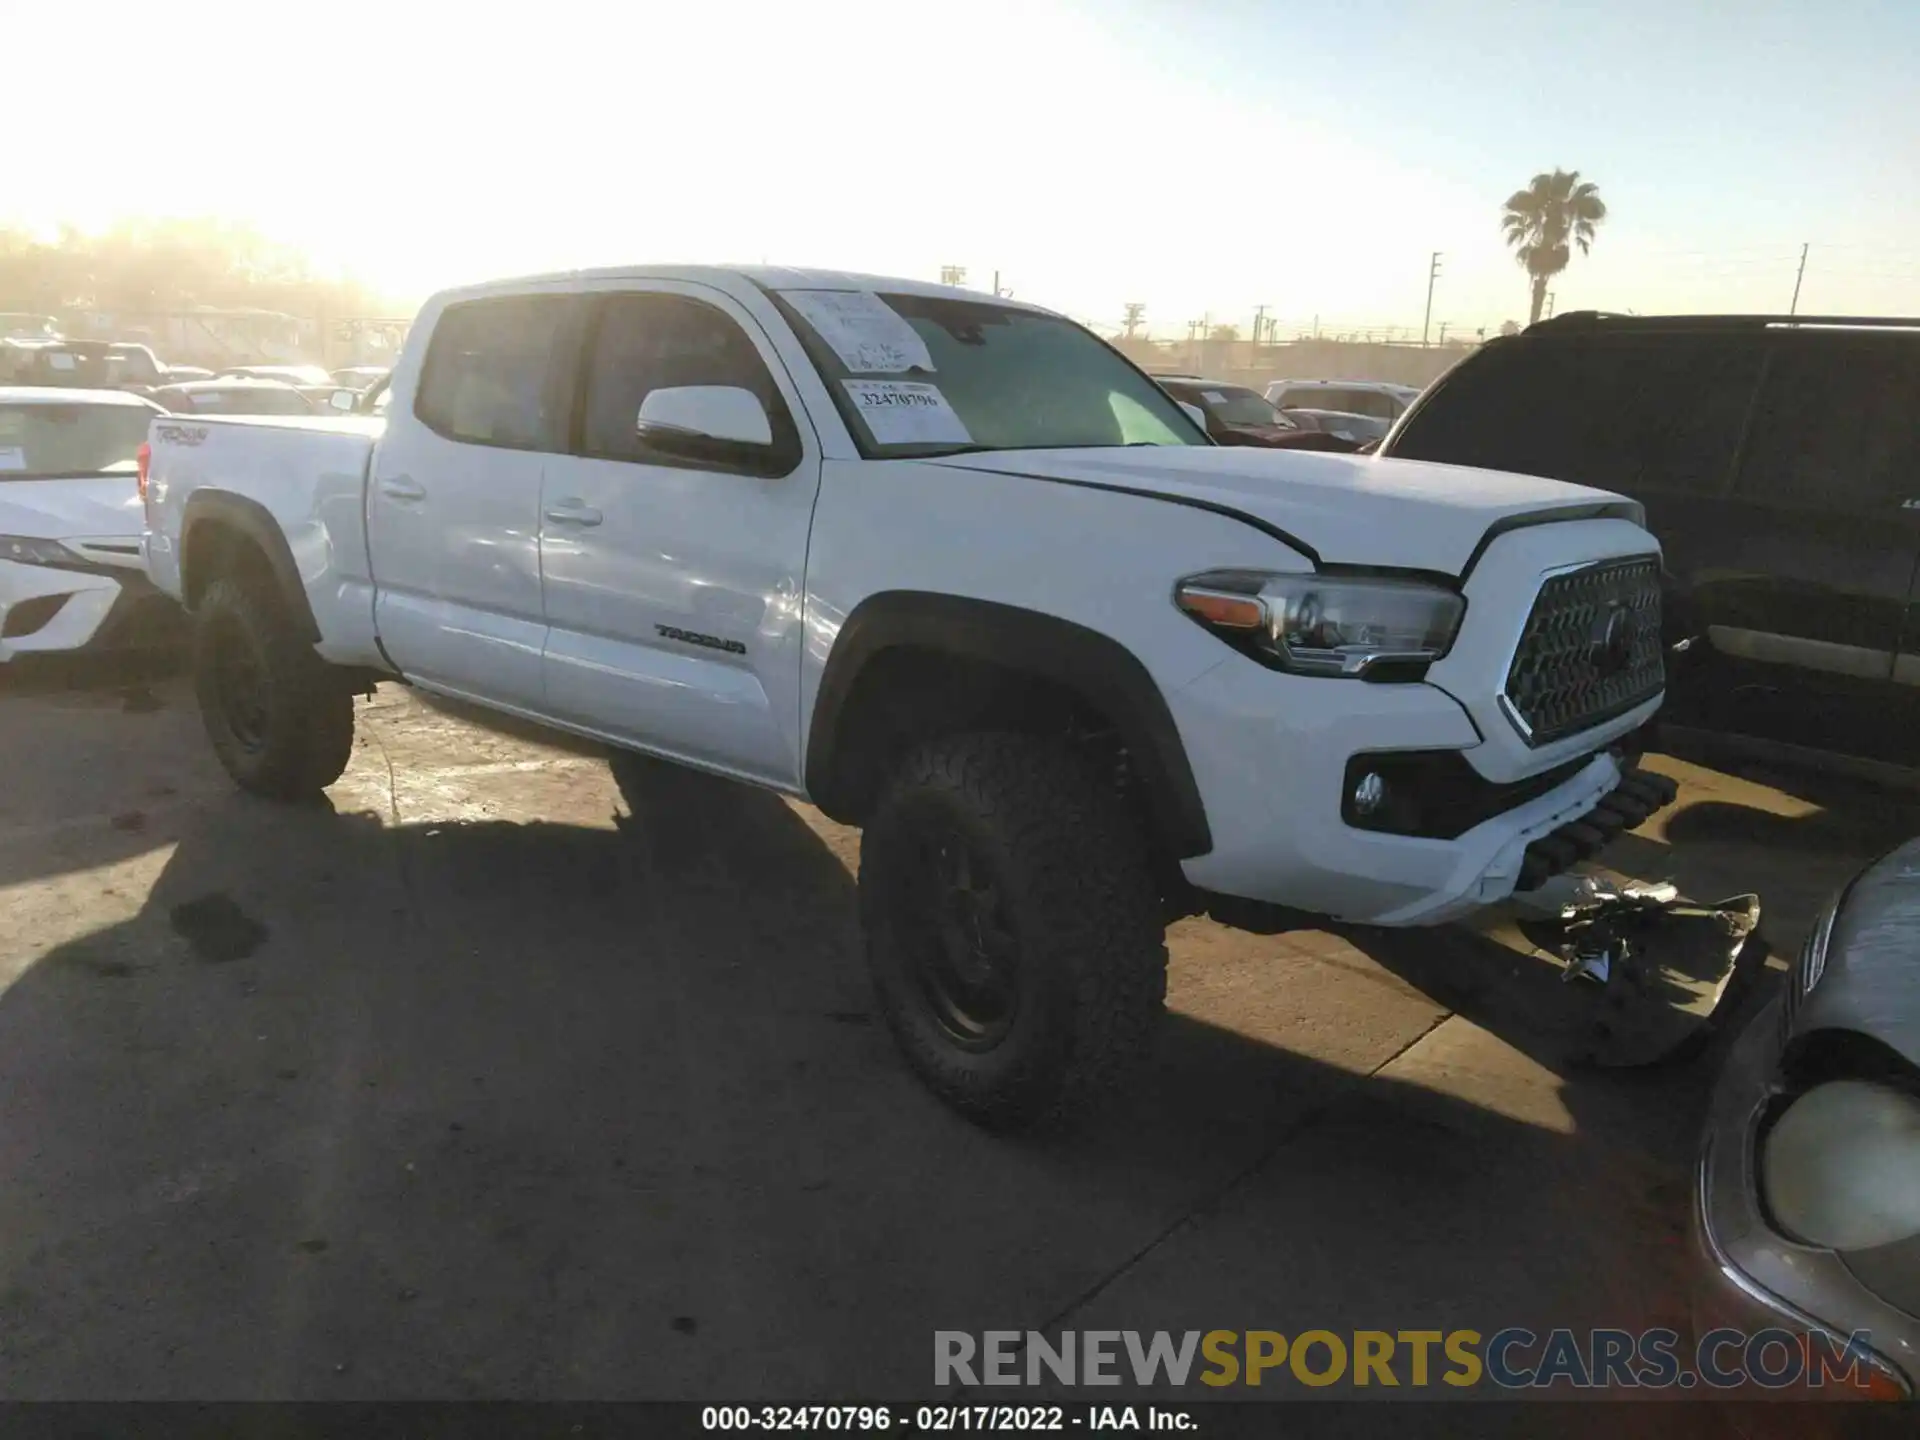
1013 928
280 720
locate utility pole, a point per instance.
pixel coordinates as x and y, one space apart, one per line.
1135 309
1549 303
1259 324
953 274
1794 308
1433 274
1443 333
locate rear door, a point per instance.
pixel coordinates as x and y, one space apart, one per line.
453 504
1823 528
674 585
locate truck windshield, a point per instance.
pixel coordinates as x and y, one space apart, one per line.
919 375
46 442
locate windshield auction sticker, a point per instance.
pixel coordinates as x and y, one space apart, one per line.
906 412
866 333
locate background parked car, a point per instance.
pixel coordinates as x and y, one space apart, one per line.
297 375
360 377
132 366
1355 430
370 401
1808 1199
1379 399
1239 416
1779 463
70 364
71 570
311 381
23 325
235 397
83 364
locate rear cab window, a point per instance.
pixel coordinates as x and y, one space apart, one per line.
494 372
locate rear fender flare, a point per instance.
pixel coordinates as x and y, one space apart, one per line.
208 512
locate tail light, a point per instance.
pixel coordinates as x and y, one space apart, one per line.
143 459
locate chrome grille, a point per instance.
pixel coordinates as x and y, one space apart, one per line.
1590 650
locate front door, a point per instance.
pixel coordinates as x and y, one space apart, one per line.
674 587
453 504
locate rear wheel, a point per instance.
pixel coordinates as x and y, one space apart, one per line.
1014 931
280 719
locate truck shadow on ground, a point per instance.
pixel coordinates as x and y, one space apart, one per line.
543 1111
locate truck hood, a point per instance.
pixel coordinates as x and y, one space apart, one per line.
1341 509
87 506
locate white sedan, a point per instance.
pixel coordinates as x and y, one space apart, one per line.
71 519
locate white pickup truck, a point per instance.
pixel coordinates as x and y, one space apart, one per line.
951 569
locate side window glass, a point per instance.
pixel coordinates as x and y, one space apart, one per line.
1838 425
1636 417
489 373
1653 416
654 342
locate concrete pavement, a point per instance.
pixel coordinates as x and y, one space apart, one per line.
485 1082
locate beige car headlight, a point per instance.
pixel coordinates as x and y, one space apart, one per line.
1841 1167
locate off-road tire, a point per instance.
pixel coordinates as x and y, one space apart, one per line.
305 733
1076 889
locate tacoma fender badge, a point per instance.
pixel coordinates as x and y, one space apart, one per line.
694 637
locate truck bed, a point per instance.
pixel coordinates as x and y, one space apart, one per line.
301 477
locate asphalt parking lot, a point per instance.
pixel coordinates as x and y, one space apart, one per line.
487 1082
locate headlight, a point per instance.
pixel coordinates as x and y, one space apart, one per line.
29 551
1325 624
1841 1168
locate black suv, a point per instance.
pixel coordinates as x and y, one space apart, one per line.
1779 462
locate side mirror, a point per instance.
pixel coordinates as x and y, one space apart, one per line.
345 401
1194 413
702 419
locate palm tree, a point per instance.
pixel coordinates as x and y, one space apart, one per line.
1544 221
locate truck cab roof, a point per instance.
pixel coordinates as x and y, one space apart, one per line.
733 277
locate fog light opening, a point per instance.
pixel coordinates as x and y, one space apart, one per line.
1369 794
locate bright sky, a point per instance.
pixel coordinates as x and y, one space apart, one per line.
1203 158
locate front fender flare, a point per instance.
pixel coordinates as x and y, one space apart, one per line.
1097 668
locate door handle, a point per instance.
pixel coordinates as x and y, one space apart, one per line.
402 487
572 512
